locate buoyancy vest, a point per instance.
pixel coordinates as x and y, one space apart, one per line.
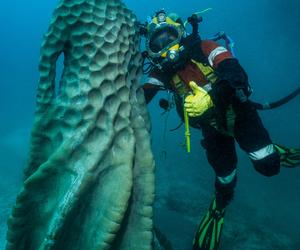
200 71
205 76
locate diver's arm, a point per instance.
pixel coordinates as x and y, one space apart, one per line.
230 71
152 86
232 78
232 82
150 90
232 85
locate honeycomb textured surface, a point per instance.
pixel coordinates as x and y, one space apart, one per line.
89 181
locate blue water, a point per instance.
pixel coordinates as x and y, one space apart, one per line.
264 214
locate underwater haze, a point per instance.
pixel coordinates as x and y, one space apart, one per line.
265 212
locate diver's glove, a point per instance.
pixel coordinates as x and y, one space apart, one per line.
198 102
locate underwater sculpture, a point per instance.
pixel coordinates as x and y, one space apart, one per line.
89 183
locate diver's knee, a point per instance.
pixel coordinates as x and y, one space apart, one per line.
225 188
268 166
266 160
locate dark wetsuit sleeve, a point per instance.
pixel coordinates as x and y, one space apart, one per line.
150 90
231 71
232 86
153 84
231 75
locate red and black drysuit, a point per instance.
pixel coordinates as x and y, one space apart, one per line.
230 89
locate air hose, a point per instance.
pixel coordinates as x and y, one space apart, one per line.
276 104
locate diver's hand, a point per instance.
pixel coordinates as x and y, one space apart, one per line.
198 102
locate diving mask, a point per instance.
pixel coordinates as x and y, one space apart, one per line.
164 35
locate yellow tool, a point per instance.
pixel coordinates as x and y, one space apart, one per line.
187 131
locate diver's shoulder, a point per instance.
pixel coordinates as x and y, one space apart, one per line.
209 44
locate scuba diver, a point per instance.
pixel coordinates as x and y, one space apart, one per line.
211 93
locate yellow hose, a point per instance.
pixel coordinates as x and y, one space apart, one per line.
187 131
198 13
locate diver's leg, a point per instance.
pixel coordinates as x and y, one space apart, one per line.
289 157
221 155
255 140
